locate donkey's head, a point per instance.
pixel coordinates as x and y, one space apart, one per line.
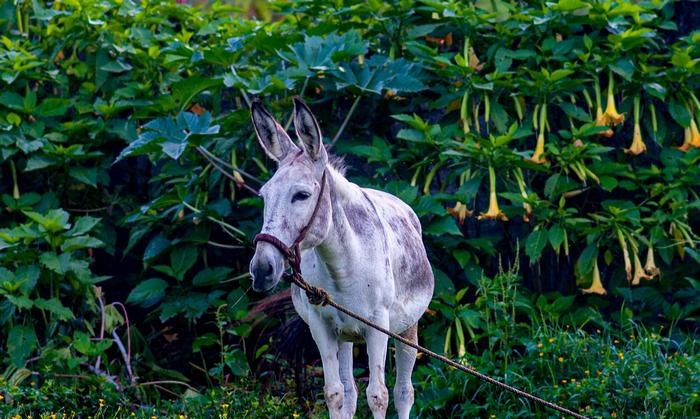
293 193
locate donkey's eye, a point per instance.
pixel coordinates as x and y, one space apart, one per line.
300 196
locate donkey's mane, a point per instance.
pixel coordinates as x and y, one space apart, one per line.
337 163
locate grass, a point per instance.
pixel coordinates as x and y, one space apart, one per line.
601 374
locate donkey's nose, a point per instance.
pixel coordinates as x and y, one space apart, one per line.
263 271
266 270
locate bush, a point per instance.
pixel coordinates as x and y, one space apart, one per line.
124 250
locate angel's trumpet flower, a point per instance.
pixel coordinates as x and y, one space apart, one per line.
686 140
639 272
599 117
597 285
521 185
625 255
611 116
638 147
650 267
460 212
494 212
538 155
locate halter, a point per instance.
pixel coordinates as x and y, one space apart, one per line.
293 253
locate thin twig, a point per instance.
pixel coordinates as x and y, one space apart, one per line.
225 246
345 121
98 293
301 94
155 383
222 162
126 355
219 222
87 211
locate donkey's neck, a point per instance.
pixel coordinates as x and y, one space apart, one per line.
337 249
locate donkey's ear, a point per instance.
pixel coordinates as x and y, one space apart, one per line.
308 131
273 139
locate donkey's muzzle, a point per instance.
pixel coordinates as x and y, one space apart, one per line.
266 268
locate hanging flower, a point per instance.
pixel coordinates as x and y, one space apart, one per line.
538 155
686 140
625 255
597 285
639 272
599 118
460 212
611 116
692 137
494 212
650 267
638 147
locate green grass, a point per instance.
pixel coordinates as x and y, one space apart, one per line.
605 374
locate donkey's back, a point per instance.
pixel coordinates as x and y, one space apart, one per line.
412 275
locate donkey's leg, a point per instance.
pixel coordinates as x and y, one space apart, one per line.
377 394
345 359
327 344
405 359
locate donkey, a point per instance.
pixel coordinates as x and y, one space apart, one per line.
361 245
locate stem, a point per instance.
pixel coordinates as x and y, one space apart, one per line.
611 84
652 109
345 121
636 110
596 88
301 94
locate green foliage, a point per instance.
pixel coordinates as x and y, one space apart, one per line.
114 109
540 345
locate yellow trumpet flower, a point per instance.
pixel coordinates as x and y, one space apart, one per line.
538 155
692 137
639 272
597 285
599 118
650 267
638 147
460 212
494 212
625 255
611 116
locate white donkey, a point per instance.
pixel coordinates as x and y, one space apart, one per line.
361 245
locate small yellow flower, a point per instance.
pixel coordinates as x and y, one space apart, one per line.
224 406
295 415
102 403
561 359
621 355
587 372
541 354
564 381
551 340
613 414
539 345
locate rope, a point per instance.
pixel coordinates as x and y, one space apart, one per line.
319 296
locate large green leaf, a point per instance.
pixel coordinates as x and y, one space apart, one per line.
21 342
148 293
